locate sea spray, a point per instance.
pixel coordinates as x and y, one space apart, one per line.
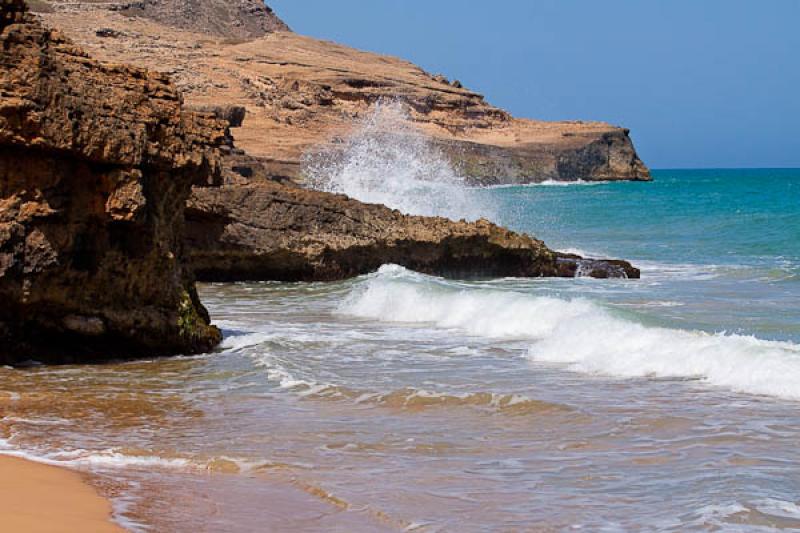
387 160
579 333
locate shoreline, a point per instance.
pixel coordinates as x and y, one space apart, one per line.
39 498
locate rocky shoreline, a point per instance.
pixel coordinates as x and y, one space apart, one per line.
271 231
114 196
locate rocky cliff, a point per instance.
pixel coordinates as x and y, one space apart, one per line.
272 231
96 164
303 94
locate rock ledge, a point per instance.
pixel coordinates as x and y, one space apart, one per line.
272 231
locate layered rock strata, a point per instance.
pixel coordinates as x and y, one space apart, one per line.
272 231
303 95
96 164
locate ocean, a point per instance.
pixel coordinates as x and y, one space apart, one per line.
400 401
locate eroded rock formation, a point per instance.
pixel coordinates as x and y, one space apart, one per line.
272 231
96 164
303 94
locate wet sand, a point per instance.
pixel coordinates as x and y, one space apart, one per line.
36 498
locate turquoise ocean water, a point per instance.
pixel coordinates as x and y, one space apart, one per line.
723 246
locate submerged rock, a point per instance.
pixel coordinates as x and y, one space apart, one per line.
96 164
271 231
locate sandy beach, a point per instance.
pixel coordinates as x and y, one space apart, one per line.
36 498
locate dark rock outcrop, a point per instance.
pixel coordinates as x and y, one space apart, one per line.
272 231
590 156
96 164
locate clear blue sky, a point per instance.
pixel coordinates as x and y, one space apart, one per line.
701 83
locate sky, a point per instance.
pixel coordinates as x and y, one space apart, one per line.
700 83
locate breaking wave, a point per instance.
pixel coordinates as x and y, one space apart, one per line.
580 334
387 160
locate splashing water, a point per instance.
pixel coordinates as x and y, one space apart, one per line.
387 160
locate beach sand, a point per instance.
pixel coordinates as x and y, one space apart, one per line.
36 498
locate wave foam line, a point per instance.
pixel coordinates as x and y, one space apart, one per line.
406 398
86 459
580 334
115 458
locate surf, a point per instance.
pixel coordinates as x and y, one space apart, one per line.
579 334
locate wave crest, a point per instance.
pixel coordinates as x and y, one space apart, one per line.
583 335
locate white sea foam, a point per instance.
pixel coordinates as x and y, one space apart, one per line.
724 516
552 183
388 160
580 334
235 343
682 271
278 373
38 421
562 183
580 252
718 515
780 508
395 294
104 459
80 458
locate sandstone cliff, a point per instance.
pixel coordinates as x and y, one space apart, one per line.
272 231
302 94
96 164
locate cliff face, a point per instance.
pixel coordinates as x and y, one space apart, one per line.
277 232
303 95
96 164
